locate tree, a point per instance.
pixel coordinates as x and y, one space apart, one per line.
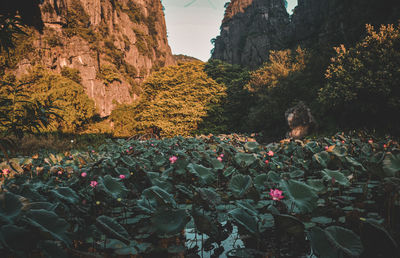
175 100
75 106
363 82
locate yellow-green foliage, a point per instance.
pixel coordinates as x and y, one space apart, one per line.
108 74
175 100
275 87
363 81
71 73
75 106
279 65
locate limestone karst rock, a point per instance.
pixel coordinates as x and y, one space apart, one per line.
251 28
114 44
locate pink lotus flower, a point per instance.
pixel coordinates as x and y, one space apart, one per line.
83 174
59 172
93 183
93 151
270 153
385 146
266 162
131 148
5 171
221 155
342 141
220 159
152 144
276 194
122 176
173 159
326 148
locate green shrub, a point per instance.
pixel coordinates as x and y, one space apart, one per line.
363 81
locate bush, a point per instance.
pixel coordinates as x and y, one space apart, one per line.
363 81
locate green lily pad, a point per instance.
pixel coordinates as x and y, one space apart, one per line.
113 186
344 240
123 171
339 177
245 220
170 222
302 195
322 158
240 184
320 243
130 162
66 194
111 228
10 206
245 159
391 164
251 146
48 222
205 174
16 238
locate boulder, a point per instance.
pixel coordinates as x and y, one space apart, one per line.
300 121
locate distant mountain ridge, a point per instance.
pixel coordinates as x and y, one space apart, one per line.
251 28
113 44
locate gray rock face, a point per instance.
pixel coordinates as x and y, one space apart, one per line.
300 121
251 28
128 35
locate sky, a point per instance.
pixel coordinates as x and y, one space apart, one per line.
191 24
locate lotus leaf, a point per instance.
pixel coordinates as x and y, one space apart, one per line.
49 222
260 181
206 175
320 243
170 222
229 171
112 186
302 195
289 224
245 220
158 197
240 184
66 194
123 171
391 164
344 240
204 223
251 146
16 238
337 175
322 158
111 228
10 206
245 159
52 249
317 185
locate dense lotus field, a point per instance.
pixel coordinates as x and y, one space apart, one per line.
209 196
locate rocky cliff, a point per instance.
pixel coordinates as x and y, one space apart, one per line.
113 43
251 28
